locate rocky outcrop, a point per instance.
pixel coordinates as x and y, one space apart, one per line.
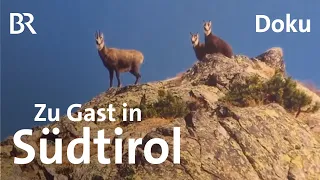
274 58
218 141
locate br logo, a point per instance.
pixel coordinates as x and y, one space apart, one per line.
17 18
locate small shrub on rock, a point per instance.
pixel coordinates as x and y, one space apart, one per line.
166 106
245 94
278 89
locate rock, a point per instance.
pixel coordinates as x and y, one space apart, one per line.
97 177
218 141
274 58
8 141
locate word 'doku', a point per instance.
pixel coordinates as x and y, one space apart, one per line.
278 25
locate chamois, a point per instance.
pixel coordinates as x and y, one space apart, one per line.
119 60
198 47
214 44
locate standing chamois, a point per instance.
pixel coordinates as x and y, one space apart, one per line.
119 60
214 44
199 48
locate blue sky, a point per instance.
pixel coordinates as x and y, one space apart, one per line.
60 66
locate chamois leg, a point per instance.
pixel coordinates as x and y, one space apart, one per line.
111 72
118 78
136 73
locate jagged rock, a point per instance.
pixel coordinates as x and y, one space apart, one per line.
8 141
274 58
218 141
221 72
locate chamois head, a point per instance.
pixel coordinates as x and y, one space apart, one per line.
99 40
195 39
207 27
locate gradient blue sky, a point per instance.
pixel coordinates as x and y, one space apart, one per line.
59 66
